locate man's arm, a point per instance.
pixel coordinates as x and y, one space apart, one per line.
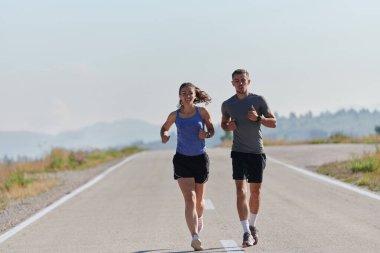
269 120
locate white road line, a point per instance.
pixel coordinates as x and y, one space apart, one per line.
328 180
209 205
231 246
62 200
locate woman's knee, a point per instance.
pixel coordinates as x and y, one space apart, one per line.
200 202
190 197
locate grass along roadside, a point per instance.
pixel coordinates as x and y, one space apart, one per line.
23 179
333 139
362 171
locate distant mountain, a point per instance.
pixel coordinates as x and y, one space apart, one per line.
140 133
101 135
104 135
18 144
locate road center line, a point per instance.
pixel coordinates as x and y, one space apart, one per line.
328 179
62 200
231 246
209 205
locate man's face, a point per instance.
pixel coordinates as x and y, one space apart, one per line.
241 82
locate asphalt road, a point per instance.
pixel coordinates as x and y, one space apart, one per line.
138 208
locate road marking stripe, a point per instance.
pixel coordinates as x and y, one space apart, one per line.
328 180
231 246
209 205
62 200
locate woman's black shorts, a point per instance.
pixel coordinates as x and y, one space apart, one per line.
191 166
248 166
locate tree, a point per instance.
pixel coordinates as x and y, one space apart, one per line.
227 136
377 129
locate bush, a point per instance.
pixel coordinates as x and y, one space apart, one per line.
377 129
368 164
339 137
17 178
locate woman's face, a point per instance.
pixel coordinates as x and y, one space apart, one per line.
187 95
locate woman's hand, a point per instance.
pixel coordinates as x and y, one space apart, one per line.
202 134
165 137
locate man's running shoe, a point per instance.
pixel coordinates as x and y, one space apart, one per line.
247 240
254 233
196 243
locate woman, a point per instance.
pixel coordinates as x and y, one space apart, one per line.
191 162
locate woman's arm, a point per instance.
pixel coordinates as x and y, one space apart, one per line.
164 133
210 126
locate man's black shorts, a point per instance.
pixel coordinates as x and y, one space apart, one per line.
248 166
191 166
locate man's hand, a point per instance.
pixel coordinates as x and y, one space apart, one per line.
252 114
231 125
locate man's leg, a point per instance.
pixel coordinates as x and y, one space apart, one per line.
243 210
241 199
254 199
254 206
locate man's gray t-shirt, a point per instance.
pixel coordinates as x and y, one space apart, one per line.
247 137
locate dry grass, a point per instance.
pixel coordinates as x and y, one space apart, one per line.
341 138
3 200
32 189
24 178
336 138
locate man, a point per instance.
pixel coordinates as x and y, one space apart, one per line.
244 113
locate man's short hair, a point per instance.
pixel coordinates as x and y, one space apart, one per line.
240 71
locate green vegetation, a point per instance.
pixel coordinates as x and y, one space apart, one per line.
333 139
227 136
17 178
377 129
362 171
22 178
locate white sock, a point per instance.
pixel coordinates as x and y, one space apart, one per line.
200 224
252 219
196 237
245 225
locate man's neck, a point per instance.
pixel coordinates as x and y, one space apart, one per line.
242 95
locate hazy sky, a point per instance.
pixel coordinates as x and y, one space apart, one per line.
70 63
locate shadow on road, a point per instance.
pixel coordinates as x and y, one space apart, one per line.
187 251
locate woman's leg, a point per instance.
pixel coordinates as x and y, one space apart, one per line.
200 192
187 186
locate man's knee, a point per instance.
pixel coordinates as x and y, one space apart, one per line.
241 193
255 191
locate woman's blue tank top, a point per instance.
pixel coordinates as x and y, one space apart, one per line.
188 142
